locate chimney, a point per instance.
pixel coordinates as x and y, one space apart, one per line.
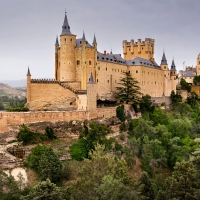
104 52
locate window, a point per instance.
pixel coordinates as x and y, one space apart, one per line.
71 39
136 71
97 80
78 62
108 81
164 67
90 62
65 39
98 68
106 68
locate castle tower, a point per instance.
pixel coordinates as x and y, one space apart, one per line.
142 49
28 86
163 64
198 65
91 95
166 76
173 76
94 44
57 70
83 63
67 53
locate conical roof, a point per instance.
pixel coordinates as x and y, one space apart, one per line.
91 79
94 40
83 38
65 27
173 66
57 43
164 60
28 73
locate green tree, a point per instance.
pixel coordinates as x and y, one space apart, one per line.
196 80
1 106
50 133
92 135
49 166
128 91
145 188
183 182
185 85
175 98
34 157
146 105
45 190
192 99
102 176
120 113
45 162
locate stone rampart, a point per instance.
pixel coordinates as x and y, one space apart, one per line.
19 118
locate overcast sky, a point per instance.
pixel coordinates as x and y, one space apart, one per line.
28 30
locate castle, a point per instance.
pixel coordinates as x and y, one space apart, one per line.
83 75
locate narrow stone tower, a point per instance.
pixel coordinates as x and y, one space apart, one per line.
94 44
28 86
66 59
173 75
83 63
57 70
198 65
166 76
91 95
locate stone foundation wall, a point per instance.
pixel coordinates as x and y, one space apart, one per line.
19 118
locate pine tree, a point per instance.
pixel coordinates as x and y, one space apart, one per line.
128 90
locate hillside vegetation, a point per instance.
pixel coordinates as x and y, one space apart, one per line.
154 157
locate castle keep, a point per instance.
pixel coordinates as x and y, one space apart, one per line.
83 75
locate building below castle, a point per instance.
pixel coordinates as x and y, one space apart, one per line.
83 74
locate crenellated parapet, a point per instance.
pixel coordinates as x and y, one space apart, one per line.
44 81
143 49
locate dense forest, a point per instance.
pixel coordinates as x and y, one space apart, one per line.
12 103
155 157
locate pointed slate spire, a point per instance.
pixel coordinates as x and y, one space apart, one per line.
65 27
91 79
57 43
164 60
173 66
111 52
83 38
94 40
28 73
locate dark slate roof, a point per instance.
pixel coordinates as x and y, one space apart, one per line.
79 43
189 74
114 58
91 79
83 38
28 73
143 62
57 43
164 60
173 66
66 27
94 40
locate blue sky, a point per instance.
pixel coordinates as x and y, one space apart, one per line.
28 30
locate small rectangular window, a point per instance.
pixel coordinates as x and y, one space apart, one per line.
90 62
78 62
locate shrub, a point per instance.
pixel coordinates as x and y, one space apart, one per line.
122 137
29 137
50 133
120 113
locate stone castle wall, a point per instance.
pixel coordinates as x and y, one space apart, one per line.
50 96
19 118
